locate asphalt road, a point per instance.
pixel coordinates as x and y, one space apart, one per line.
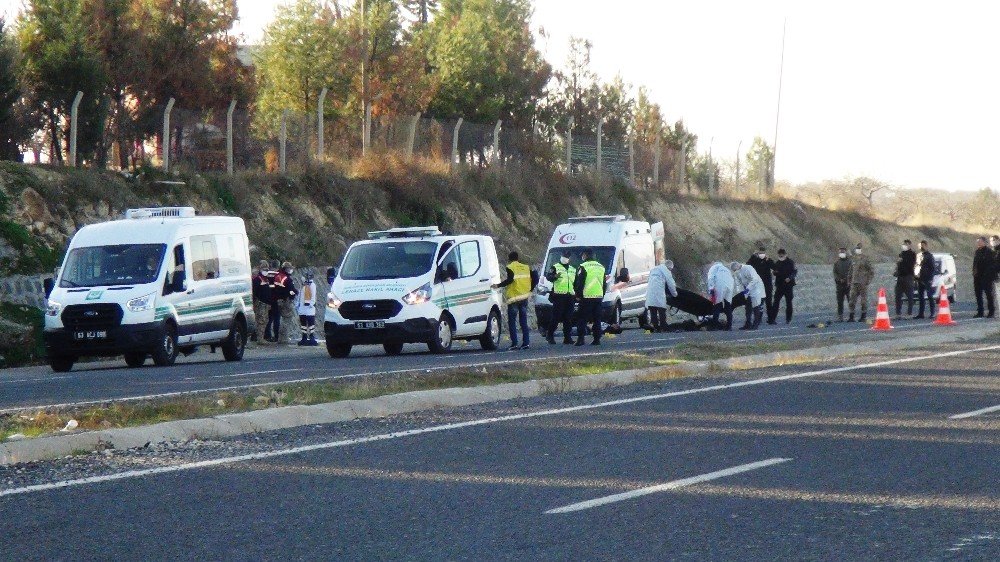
840 461
202 371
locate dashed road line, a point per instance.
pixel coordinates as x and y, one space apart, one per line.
975 413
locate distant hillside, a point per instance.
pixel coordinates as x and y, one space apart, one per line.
310 218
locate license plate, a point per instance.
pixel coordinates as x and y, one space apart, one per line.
92 335
369 325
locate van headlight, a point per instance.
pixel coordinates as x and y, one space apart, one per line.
52 308
333 302
418 296
141 304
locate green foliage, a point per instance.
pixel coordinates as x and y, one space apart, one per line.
759 160
25 316
14 129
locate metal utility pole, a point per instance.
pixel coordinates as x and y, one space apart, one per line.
166 134
366 132
320 124
777 111
229 137
73 120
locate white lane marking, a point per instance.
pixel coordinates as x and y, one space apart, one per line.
471 423
975 413
254 373
666 486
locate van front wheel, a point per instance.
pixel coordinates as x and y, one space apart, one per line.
166 351
236 343
490 340
442 340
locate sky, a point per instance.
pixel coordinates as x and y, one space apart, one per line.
906 92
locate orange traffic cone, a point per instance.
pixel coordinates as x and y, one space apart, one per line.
882 314
944 310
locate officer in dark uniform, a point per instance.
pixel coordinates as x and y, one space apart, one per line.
763 265
784 281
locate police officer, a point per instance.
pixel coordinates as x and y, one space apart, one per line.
562 275
862 274
925 279
983 273
763 265
905 263
261 299
589 288
521 280
784 281
842 279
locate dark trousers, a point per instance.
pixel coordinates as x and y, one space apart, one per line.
724 307
768 298
518 311
843 293
984 287
658 318
562 312
590 312
926 291
784 291
273 321
904 288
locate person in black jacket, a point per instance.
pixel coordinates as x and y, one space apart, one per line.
784 281
904 274
983 273
763 265
925 278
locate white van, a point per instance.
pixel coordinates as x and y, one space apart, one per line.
158 282
626 248
415 285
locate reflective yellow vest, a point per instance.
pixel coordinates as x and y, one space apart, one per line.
593 285
520 289
566 275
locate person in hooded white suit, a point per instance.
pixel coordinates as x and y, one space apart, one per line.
753 289
661 283
721 290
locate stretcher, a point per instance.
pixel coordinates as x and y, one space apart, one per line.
697 305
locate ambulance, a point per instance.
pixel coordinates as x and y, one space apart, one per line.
415 285
159 282
628 249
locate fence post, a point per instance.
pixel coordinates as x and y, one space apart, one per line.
320 149
631 160
454 142
496 142
412 140
600 128
166 135
569 147
366 131
282 141
229 137
656 162
73 120
683 165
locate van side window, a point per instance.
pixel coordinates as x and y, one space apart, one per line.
450 267
204 258
232 255
175 278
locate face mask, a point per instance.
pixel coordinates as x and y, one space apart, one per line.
564 261
905 247
290 270
762 255
993 243
781 258
857 251
843 255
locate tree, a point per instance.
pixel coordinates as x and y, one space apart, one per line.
487 63
420 9
577 92
13 131
648 119
59 60
759 159
617 108
868 188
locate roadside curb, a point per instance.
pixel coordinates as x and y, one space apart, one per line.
231 425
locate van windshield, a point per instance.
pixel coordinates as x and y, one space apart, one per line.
105 266
604 254
388 260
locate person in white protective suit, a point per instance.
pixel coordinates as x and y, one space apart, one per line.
753 290
721 290
661 282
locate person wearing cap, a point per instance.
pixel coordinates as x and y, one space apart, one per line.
721 290
305 306
661 283
862 274
764 265
589 288
905 263
784 283
753 291
983 272
520 281
925 279
562 275
842 280
261 288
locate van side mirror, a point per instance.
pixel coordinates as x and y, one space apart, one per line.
623 276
